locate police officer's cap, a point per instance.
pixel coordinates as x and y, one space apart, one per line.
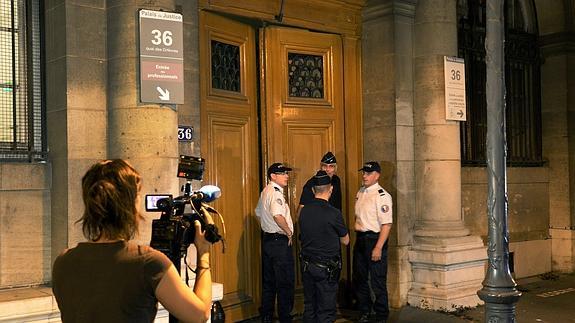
276 168
328 158
371 166
321 178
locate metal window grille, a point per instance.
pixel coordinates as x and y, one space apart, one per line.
22 113
226 69
523 87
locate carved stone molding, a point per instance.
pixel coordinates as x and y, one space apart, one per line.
378 9
557 44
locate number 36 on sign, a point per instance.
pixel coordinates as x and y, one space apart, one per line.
185 133
454 72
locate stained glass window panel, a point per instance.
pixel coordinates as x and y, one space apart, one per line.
305 76
225 66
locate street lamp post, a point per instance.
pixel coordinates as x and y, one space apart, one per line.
499 290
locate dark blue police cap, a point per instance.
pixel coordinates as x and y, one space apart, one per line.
328 158
371 166
277 168
321 178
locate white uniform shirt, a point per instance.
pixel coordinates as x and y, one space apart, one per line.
373 208
272 202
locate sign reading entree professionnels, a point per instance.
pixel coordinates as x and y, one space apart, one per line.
161 57
454 72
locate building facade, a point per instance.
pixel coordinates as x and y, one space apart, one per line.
268 81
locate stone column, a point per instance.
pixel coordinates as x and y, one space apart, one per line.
145 134
447 262
75 108
387 53
557 110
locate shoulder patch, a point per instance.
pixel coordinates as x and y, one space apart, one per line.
385 208
277 189
279 201
381 192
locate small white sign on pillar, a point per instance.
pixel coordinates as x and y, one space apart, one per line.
454 72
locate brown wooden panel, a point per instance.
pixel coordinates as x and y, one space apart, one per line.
353 138
229 142
300 130
304 140
295 130
229 154
340 16
282 112
225 37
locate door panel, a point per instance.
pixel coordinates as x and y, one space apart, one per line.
229 143
304 104
303 143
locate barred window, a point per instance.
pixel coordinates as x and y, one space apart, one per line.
522 80
22 113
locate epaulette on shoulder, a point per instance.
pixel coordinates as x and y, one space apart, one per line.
381 192
276 188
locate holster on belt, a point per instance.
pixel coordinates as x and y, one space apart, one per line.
331 266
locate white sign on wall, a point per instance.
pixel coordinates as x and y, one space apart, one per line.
454 72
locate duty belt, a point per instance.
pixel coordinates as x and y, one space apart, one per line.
367 234
331 266
274 236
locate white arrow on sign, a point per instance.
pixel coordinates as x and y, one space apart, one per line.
164 95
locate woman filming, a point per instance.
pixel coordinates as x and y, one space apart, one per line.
109 278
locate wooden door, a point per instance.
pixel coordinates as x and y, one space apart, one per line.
229 143
303 112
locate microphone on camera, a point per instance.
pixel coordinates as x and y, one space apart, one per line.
207 194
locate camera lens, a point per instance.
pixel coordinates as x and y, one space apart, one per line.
163 204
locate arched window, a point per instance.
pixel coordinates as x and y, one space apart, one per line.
522 79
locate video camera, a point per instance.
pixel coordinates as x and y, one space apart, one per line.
174 231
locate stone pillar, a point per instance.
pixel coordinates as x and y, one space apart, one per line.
447 262
145 134
557 110
556 30
75 108
570 234
387 53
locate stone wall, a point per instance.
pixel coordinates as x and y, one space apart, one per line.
528 213
24 224
557 35
93 112
528 209
76 73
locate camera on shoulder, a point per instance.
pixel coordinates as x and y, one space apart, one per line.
174 231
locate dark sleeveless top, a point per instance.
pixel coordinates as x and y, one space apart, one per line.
108 282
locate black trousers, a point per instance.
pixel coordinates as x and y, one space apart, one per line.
368 273
320 293
278 276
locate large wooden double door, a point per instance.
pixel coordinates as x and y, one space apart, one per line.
270 94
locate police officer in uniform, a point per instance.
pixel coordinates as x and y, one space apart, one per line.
373 212
322 229
277 259
328 164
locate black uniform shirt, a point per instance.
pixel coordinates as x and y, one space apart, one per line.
321 225
335 200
